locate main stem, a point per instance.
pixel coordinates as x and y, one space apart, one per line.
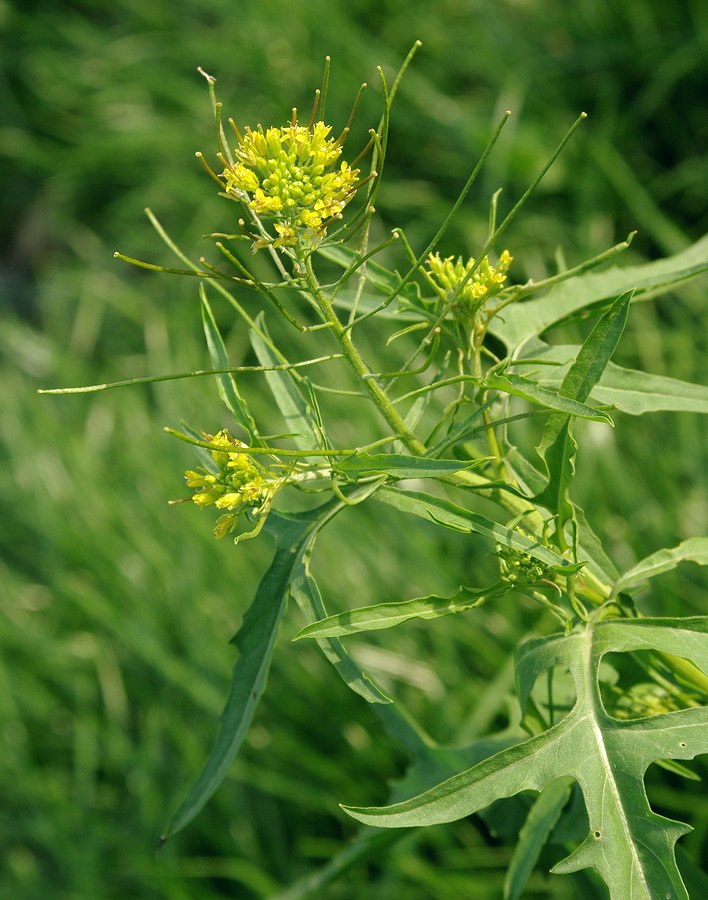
362 371
593 588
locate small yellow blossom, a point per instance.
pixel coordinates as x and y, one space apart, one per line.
486 281
238 485
290 175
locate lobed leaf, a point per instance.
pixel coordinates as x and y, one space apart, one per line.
630 846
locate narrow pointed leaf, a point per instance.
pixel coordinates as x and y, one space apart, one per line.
387 615
255 641
306 593
399 466
292 402
692 550
524 320
534 835
558 446
630 846
443 512
630 390
226 383
520 386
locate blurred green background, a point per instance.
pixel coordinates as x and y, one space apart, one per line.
115 609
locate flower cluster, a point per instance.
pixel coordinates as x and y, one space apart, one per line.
643 700
521 570
485 282
236 483
290 175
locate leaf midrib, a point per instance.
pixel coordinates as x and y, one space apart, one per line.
595 715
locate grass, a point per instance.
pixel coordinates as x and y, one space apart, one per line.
116 609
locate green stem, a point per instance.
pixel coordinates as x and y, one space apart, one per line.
361 370
514 505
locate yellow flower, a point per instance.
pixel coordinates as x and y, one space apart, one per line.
289 175
237 485
487 280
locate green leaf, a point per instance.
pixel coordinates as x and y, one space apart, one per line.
387 615
630 846
692 550
522 321
443 512
226 383
630 390
520 386
306 593
400 466
255 641
534 835
292 402
557 447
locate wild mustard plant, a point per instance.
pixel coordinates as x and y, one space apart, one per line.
305 206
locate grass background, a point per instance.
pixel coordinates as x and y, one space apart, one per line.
115 609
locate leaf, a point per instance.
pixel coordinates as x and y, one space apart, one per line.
444 512
692 550
537 829
305 591
522 321
520 386
226 383
294 406
630 846
400 466
387 615
557 447
630 390
255 641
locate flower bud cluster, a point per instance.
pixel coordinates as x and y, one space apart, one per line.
519 569
485 282
236 484
291 175
643 700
